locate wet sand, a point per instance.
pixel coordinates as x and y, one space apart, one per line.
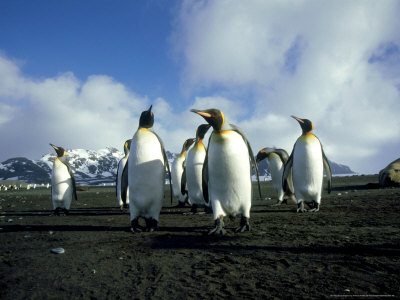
351 247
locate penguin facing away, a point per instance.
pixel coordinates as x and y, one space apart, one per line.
122 188
146 174
227 171
192 177
307 162
277 159
63 186
177 172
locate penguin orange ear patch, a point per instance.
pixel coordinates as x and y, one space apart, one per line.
204 114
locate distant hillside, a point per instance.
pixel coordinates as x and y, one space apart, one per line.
93 167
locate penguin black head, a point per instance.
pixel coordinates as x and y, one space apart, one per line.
213 116
263 154
59 150
201 131
187 144
146 118
127 146
306 125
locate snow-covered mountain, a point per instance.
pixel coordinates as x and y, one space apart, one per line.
94 167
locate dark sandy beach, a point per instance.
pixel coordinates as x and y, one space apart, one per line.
350 248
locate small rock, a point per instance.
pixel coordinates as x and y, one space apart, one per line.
339 194
27 236
347 290
93 271
58 250
9 220
51 232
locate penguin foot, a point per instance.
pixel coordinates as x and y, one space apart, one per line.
135 227
151 225
194 209
316 208
244 225
60 211
124 206
218 228
300 207
278 203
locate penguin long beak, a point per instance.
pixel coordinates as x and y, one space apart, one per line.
54 146
201 113
297 119
150 108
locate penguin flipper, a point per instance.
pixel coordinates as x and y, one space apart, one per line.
166 163
328 171
204 182
124 183
72 180
183 181
287 181
116 180
253 161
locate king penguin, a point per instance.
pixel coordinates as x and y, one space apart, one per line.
63 186
146 174
121 185
307 162
227 171
194 168
177 171
277 159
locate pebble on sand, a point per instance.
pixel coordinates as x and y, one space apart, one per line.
58 250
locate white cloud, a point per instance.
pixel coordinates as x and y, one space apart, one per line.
307 58
62 110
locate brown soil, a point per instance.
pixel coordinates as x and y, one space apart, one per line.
351 247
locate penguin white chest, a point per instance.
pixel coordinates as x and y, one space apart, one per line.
121 167
308 168
61 183
176 176
276 167
194 170
229 173
146 174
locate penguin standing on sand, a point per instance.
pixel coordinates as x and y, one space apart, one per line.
146 174
307 163
63 186
227 172
277 159
194 168
177 172
122 188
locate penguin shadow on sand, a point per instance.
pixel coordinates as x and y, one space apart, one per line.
64 228
195 238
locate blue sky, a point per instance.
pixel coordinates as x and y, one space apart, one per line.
128 41
78 73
